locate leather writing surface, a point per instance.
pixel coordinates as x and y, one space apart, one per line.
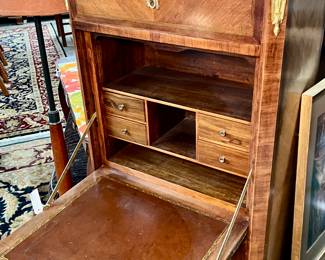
119 222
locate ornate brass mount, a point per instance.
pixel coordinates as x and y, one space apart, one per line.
278 10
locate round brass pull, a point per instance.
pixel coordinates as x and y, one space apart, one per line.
222 132
121 107
153 4
222 159
125 131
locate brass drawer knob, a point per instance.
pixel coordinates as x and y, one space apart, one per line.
125 131
222 132
121 107
153 4
222 159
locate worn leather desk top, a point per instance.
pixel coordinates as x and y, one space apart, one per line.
113 221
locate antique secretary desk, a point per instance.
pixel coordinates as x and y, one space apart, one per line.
186 95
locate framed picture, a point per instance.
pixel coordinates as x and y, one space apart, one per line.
309 215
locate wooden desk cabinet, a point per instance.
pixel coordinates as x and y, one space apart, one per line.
186 94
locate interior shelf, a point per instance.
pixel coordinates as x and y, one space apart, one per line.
202 179
189 90
242 45
180 139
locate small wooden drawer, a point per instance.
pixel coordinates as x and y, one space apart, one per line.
125 106
223 158
126 129
226 132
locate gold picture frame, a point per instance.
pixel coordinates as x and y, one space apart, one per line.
309 209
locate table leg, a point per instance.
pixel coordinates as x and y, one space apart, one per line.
60 153
60 27
3 88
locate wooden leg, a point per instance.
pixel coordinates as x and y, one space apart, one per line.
60 27
2 58
63 101
60 155
19 20
90 169
58 24
3 88
3 73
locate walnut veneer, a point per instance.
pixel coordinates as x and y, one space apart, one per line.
186 95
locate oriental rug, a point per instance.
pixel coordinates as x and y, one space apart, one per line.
23 168
25 110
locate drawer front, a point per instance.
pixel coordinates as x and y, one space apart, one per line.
126 129
132 108
209 16
226 132
224 158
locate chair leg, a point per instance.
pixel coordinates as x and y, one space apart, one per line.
60 27
3 73
19 20
3 59
3 88
63 102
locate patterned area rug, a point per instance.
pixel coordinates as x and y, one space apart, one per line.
23 167
25 110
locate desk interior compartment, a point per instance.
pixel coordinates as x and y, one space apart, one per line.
198 80
172 129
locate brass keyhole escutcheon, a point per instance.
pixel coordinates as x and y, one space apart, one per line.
153 4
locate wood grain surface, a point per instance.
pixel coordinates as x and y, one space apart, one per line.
224 132
203 179
146 71
216 96
124 106
264 120
206 18
180 139
233 160
241 45
91 93
126 129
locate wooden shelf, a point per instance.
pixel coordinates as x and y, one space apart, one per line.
192 92
161 33
180 139
214 183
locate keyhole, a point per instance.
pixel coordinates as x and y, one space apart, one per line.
153 4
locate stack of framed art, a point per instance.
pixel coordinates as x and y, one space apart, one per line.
309 215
